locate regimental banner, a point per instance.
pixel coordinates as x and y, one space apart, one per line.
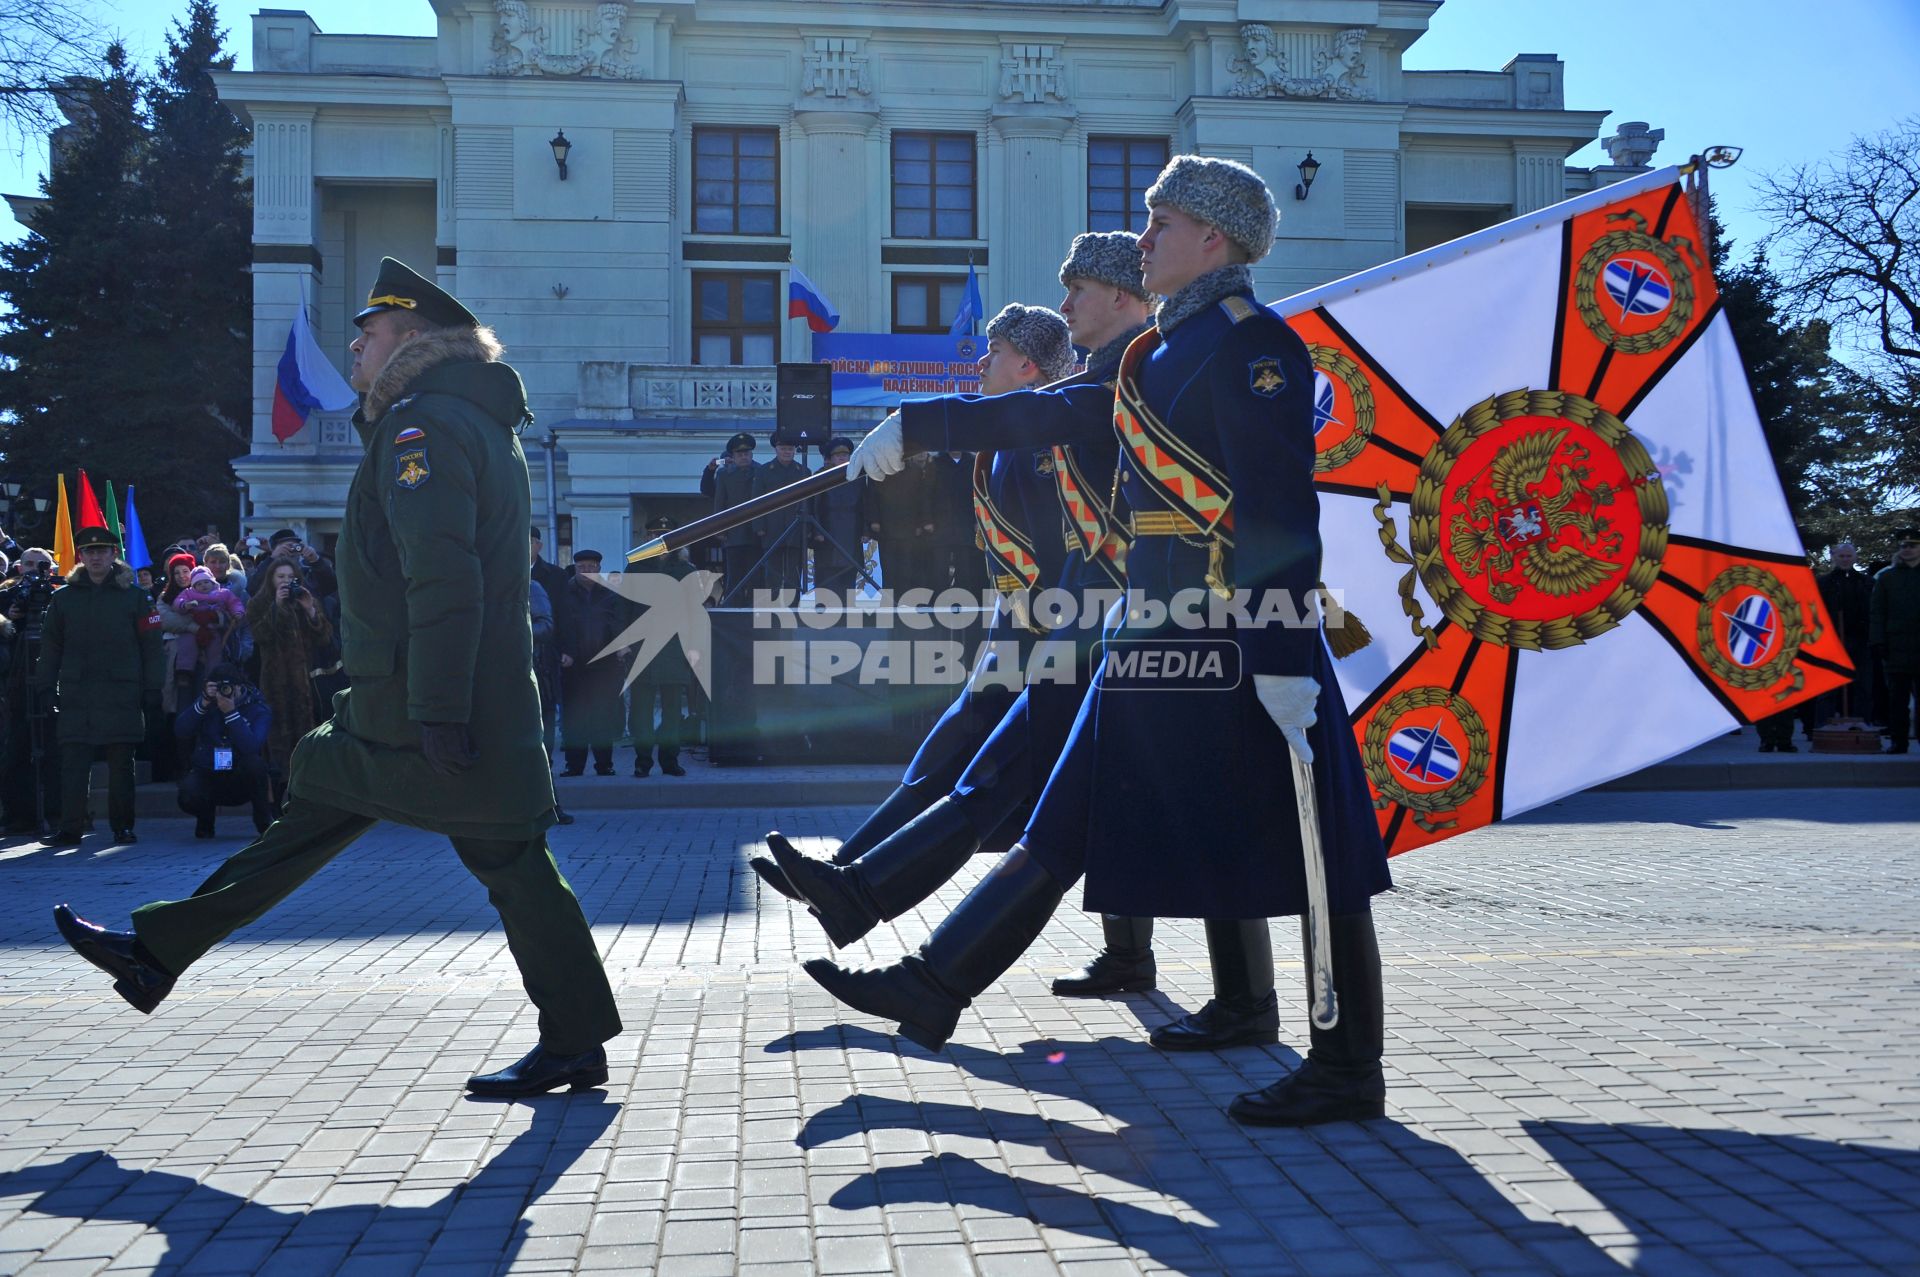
1544 484
881 369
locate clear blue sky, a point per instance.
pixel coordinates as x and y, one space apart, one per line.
1788 80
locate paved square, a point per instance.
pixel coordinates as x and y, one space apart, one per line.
1664 1033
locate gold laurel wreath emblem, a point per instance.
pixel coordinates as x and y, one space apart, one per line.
1792 633
1586 289
1473 768
1336 364
1424 526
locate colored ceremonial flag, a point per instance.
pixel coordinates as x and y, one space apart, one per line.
90 514
65 559
1560 521
972 309
135 540
306 380
112 512
805 301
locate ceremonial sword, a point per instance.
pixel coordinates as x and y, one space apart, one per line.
1325 1003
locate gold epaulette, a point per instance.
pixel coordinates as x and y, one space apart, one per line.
1008 583
1238 308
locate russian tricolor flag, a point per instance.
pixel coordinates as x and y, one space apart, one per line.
804 301
306 380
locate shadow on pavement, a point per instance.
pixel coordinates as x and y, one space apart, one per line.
479 1223
1242 1200
1810 1204
1730 808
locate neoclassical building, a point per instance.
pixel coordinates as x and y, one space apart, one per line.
881 146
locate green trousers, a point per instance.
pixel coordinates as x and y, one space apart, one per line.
76 770
546 931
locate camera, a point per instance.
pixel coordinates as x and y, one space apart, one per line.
295 589
34 593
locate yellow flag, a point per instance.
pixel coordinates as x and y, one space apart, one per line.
64 557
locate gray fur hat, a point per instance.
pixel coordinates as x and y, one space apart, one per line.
1039 334
1109 257
1221 193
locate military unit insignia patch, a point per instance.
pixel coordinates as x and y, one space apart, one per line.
1264 377
410 469
410 434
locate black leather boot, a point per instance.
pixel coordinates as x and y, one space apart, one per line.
895 876
901 806
137 974
1340 1081
1243 1010
927 991
1124 966
541 1070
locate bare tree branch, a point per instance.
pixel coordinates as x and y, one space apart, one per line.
1845 235
42 43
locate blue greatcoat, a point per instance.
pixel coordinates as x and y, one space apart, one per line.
1022 492
1180 803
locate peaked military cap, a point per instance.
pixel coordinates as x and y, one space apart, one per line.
660 523
839 443
400 287
741 440
87 538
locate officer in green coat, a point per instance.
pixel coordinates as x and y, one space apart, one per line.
663 681
101 648
439 727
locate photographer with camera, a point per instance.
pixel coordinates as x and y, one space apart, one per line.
289 631
27 746
285 546
227 727
100 648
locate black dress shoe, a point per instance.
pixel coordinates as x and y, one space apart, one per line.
137 974
603 771
1110 972
672 768
540 1071
562 815
203 828
60 838
641 773
573 771
1314 1094
1221 1024
125 837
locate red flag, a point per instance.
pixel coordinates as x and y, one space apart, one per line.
91 515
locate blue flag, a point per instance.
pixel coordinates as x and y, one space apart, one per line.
138 556
972 309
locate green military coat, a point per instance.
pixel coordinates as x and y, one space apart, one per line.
434 628
101 647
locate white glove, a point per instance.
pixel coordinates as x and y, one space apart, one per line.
881 453
1290 702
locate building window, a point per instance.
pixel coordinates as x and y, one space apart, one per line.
1428 225
1119 171
933 186
736 181
735 320
926 303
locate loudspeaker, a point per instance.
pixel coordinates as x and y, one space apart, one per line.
803 405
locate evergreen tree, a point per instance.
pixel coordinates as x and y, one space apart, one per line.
75 292
129 347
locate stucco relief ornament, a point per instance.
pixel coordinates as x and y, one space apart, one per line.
1340 69
834 68
521 48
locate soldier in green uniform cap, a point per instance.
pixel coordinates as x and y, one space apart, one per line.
439 727
101 649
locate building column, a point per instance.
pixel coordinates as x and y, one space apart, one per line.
286 260
1539 178
833 233
1034 224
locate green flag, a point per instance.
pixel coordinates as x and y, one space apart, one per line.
112 510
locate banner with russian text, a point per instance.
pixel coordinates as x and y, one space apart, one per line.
881 369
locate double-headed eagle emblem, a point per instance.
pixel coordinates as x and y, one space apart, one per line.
1519 528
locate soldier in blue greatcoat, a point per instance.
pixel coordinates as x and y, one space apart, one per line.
1213 415
1016 519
